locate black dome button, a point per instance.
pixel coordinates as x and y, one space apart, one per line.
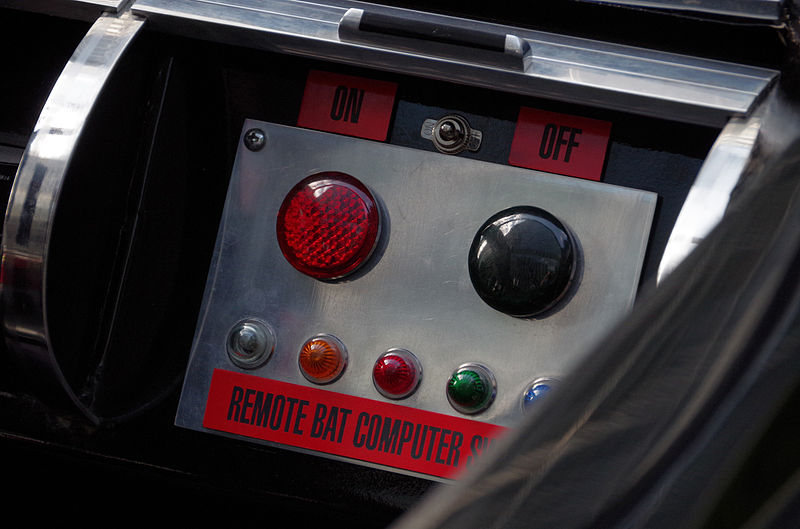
522 261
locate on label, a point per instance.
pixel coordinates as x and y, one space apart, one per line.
345 104
560 143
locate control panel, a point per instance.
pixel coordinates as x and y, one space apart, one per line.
399 307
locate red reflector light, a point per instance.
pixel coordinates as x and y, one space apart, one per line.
328 225
396 373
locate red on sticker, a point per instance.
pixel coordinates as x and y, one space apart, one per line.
560 143
344 425
344 104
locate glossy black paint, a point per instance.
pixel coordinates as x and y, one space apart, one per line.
522 261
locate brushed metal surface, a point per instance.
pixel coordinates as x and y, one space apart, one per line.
560 67
416 293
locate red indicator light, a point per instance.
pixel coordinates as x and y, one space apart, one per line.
322 359
396 373
328 225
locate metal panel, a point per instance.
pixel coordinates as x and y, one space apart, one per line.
558 67
416 294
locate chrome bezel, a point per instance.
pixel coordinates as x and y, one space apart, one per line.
551 381
486 376
409 357
268 342
342 364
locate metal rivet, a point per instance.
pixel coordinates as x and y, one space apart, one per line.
255 139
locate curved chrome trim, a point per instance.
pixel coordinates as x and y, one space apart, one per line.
87 10
559 67
36 190
709 195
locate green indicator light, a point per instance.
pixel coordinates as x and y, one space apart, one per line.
467 389
471 388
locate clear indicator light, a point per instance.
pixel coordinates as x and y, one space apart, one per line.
471 388
397 373
328 225
322 359
250 343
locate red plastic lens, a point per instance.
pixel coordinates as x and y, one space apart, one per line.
396 373
328 225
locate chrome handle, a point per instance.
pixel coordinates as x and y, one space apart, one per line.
432 38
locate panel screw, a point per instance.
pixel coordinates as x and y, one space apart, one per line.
255 139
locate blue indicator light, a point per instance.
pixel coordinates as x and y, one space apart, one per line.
537 392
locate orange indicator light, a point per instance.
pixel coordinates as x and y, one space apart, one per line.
322 359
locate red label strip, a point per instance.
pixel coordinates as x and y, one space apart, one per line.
560 143
349 105
334 423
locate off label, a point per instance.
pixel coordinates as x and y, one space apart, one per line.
354 427
345 104
560 143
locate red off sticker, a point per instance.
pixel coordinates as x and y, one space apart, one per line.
363 429
560 143
349 105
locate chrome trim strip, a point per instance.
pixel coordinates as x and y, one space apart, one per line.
754 9
709 195
77 9
35 194
558 67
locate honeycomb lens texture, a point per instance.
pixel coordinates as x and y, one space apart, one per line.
396 374
322 359
467 389
471 388
328 225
